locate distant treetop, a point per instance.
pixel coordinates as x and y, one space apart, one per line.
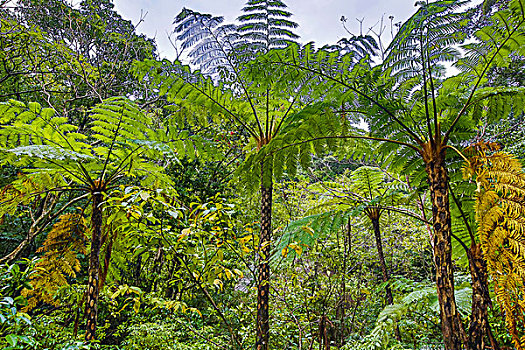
266 24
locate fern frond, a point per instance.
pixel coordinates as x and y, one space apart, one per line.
59 262
500 208
267 24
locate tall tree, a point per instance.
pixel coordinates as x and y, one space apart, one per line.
215 45
221 49
266 25
367 188
211 42
70 57
440 113
262 111
121 143
250 98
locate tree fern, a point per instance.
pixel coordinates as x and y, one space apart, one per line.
119 135
216 47
121 142
350 196
211 42
280 114
265 25
407 103
426 40
266 106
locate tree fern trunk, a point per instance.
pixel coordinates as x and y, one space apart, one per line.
438 181
379 245
479 324
263 283
94 268
374 217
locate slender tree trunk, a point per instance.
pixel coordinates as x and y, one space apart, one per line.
77 316
324 338
94 267
341 307
173 290
374 217
263 283
438 181
42 217
137 269
158 264
479 324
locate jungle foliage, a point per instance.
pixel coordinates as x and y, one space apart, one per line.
257 192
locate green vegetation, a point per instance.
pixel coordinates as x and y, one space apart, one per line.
263 194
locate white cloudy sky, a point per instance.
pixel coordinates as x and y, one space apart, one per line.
318 19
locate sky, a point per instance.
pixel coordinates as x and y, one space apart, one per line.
319 20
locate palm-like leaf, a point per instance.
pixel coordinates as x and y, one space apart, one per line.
266 25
